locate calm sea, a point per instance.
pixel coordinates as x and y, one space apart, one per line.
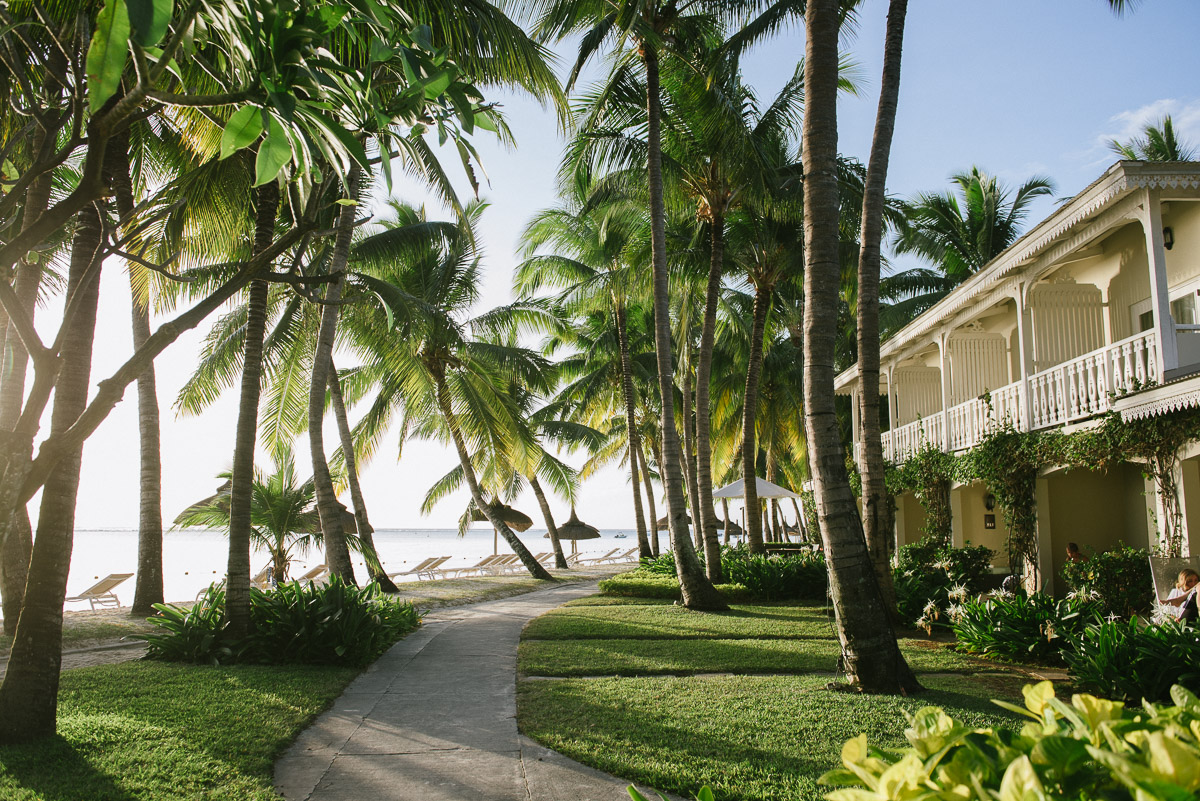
195 558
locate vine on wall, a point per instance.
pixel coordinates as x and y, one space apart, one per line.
928 474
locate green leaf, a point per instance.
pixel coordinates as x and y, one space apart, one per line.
483 119
436 84
243 128
149 20
107 53
273 153
345 201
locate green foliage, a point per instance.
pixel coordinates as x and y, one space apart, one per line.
930 577
766 577
334 624
1127 661
642 583
1120 579
928 474
1033 628
1088 749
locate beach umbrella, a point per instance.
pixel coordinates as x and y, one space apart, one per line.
219 499
664 523
574 530
516 520
765 490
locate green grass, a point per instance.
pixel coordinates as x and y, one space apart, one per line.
651 711
151 731
752 738
82 630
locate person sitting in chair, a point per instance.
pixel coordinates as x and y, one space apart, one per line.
1182 600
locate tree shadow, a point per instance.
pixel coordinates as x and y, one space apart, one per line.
55 770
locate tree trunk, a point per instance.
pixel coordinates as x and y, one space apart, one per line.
560 559
656 449
631 430
237 582
29 694
698 592
704 484
366 532
754 534
148 589
725 511
532 565
876 504
689 459
653 512
337 555
871 656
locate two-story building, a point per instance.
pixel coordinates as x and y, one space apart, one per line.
1096 309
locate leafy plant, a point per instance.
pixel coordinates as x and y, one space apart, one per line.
1034 627
766 577
1120 579
1127 661
643 583
1088 749
194 635
930 578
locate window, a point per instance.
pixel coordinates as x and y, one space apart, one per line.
1183 311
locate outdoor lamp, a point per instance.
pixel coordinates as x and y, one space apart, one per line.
1168 238
989 501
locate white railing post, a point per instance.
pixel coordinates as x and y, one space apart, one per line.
1160 298
1025 345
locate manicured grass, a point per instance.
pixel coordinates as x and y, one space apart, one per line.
753 738
750 735
84 629
150 731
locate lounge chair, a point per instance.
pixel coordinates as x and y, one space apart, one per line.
318 575
479 567
595 560
628 556
102 591
425 569
506 563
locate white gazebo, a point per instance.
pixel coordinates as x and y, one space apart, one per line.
765 489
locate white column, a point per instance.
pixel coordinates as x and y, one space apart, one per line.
856 426
1160 297
1025 357
956 516
1045 540
944 351
893 404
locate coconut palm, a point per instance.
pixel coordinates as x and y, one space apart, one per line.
1158 142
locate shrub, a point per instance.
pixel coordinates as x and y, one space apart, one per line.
929 578
1121 579
1126 661
1035 628
335 624
643 583
767 577
1088 749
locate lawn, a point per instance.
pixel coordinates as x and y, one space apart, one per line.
677 699
151 731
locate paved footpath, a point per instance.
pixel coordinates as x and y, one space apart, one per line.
434 719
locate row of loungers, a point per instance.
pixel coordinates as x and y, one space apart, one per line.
499 564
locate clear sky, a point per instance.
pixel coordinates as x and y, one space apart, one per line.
1017 87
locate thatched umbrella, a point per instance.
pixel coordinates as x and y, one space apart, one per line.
516 520
574 530
219 499
664 523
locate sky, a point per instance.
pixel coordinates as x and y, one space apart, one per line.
1017 87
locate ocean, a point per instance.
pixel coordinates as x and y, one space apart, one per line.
194 558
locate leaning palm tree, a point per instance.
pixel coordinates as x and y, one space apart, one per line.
450 371
1158 142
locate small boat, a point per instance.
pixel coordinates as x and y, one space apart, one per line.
619 537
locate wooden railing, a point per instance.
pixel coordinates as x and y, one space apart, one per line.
970 421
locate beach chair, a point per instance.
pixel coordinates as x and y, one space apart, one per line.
102 591
628 556
318 575
595 560
425 569
478 568
505 564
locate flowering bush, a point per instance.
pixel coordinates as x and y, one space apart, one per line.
1120 578
930 578
1034 628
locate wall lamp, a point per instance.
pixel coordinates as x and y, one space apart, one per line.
1168 238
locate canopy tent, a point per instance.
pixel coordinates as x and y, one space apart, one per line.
574 530
764 488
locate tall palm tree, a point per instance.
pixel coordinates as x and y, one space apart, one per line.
1158 142
870 653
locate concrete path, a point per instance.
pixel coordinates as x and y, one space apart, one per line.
434 719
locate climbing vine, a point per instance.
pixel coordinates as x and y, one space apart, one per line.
928 474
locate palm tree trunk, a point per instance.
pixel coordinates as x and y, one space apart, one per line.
237 583
698 592
876 503
725 510
149 587
337 555
704 485
754 533
366 532
651 510
29 694
532 565
560 559
656 449
635 445
871 656
689 459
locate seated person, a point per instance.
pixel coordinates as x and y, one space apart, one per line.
1073 553
1185 591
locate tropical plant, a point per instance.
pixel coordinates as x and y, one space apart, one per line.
1027 628
1089 748
773 577
1120 579
1158 142
930 577
1127 661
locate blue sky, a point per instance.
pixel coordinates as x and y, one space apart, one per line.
1018 87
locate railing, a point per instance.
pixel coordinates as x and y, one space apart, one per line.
1074 390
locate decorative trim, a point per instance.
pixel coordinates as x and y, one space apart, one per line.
1160 400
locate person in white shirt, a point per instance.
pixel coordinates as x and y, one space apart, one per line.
1185 588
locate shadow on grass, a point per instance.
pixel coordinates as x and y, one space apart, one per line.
55 770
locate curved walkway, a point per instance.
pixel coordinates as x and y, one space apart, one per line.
435 719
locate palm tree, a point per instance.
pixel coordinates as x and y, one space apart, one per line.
961 237
869 650
1157 143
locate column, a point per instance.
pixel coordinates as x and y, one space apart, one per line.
1025 357
957 539
1160 297
856 426
1045 579
944 352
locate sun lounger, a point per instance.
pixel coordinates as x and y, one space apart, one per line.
506 563
478 568
426 569
628 556
318 575
102 591
595 560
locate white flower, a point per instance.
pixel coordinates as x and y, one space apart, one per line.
931 610
958 592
